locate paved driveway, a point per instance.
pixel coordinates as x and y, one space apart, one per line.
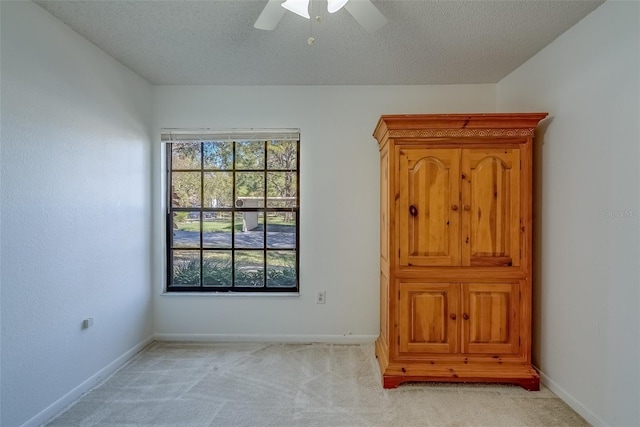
244 239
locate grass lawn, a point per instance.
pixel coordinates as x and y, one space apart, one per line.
244 258
224 224
208 226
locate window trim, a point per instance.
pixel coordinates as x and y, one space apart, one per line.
202 136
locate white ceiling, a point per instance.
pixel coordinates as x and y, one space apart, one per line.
213 42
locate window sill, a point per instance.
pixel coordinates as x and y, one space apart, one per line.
232 294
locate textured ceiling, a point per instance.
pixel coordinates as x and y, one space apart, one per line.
213 42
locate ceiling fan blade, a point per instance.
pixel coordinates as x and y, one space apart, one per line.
270 16
366 14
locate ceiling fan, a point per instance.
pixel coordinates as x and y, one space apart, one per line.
363 11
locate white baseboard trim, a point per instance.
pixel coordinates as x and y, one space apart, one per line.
571 401
69 398
334 339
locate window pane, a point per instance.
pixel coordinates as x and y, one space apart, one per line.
185 187
216 230
282 155
218 155
185 155
249 268
281 269
249 189
251 232
233 213
216 268
250 155
282 188
218 190
281 230
186 268
186 229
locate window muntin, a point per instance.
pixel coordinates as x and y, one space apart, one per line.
233 216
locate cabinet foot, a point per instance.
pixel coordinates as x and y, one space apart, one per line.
392 382
529 384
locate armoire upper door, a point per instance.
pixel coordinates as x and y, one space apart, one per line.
429 208
491 209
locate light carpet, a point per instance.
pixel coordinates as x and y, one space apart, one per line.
261 384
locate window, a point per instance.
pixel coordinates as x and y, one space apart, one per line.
233 211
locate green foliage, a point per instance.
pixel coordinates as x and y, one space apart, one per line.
218 156
215 272
284 277
250 155
185 155
186 273
179 217
249 184
282 155
249 278
218 189
218 273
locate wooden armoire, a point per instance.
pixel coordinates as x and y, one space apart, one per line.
455 248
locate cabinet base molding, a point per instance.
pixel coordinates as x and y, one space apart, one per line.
393 381
395 373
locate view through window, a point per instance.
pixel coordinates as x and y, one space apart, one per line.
233 213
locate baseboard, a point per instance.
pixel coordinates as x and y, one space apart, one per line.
69 398
571 401
335 339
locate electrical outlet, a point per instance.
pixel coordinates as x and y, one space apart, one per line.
321 297
87 323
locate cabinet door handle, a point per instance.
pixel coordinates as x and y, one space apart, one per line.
413 210
466 207
453 316
465 316
454 207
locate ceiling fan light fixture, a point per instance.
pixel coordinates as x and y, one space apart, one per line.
335 5
299 7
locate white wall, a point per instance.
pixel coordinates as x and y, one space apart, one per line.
75 173
588 199
339 238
